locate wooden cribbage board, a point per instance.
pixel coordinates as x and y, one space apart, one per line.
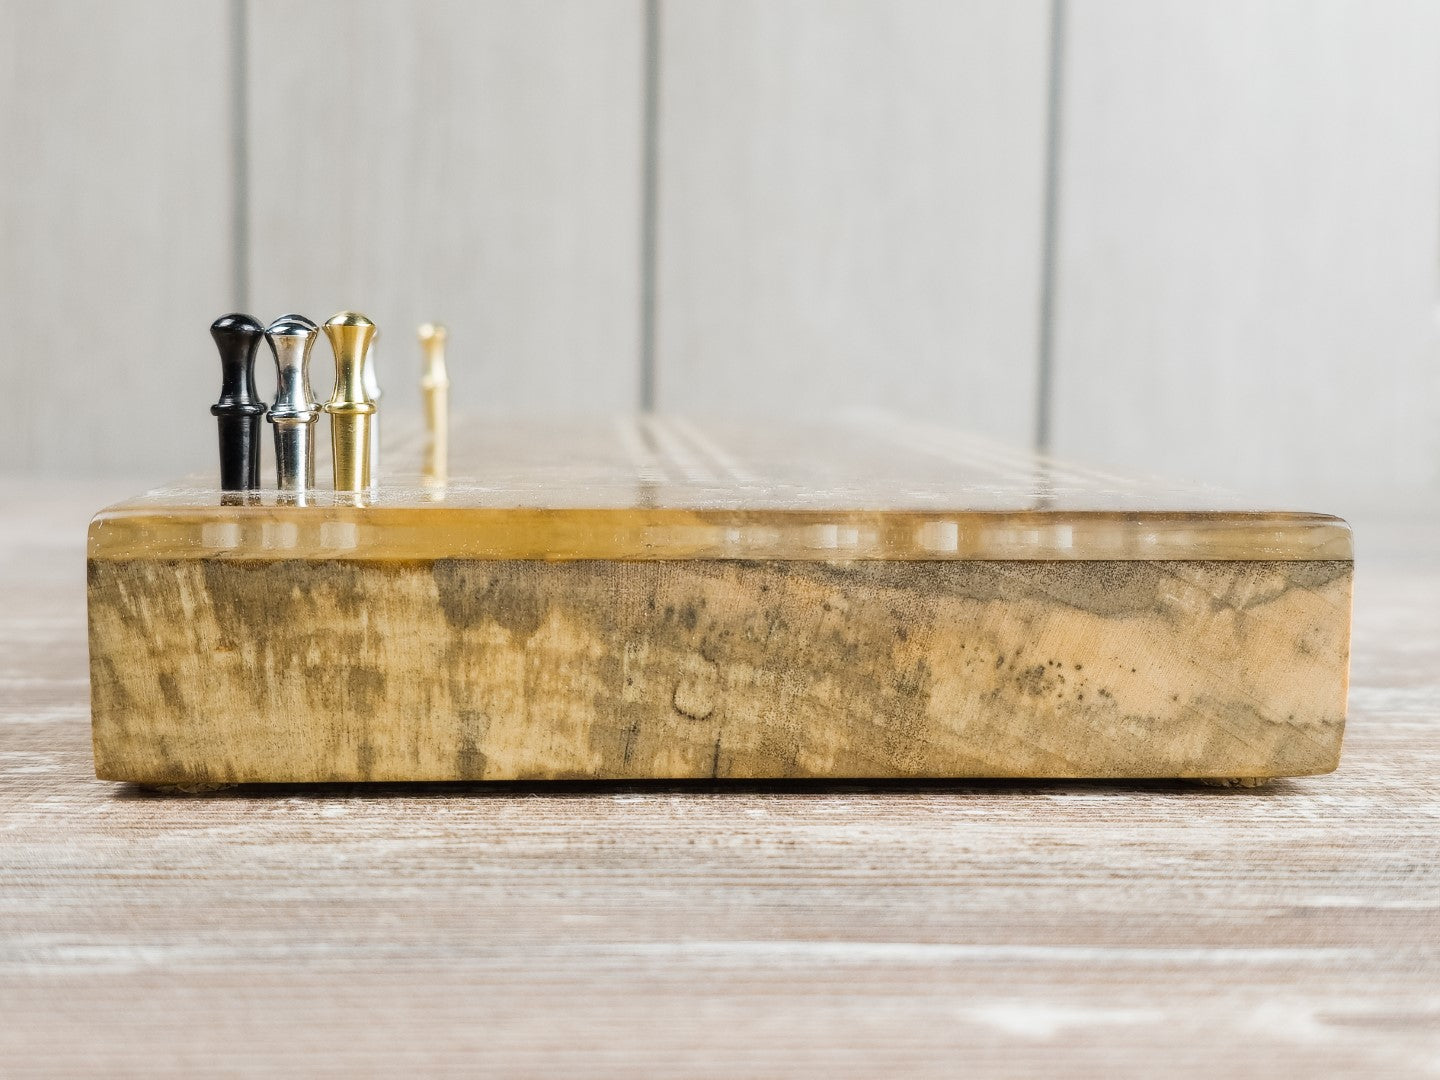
653 598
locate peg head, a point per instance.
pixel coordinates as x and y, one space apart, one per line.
432 350
350 335
291 338
237 337
350 408
292 324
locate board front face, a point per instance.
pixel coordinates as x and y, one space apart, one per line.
659 598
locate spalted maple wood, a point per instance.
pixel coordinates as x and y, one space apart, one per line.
762 629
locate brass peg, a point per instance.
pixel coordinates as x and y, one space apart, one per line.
435 387
350 408
295 409
434 383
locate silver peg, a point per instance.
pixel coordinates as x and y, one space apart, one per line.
295 410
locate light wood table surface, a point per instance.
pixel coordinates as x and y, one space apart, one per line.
1057 929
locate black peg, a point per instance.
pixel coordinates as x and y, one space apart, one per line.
239 409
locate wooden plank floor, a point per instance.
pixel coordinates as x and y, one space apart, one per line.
1059 929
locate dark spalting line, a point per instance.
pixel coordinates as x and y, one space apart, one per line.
106 684
1110 588
628 749
513 595
170 691
365 758
1313 574
470 760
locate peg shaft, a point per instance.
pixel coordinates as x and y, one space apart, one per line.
295 409
350 409
239 409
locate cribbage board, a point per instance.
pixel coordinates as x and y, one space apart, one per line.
660 598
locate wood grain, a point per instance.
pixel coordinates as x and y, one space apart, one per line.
474 164
1247 247
1022 929
216 671
849 208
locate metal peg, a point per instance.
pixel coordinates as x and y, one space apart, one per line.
434 382
435 387
295 410
350 409
238 411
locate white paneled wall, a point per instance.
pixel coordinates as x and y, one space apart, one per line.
850 199
477 164
1247 254
846 205
115 227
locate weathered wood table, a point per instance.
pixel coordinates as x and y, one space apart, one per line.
903 928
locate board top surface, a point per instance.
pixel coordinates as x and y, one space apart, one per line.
861 487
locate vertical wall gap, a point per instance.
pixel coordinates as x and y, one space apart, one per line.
240 153
1045 366
649 206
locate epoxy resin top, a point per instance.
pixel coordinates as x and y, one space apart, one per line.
869 487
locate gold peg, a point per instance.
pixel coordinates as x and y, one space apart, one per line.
435 387
434 383
350 408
